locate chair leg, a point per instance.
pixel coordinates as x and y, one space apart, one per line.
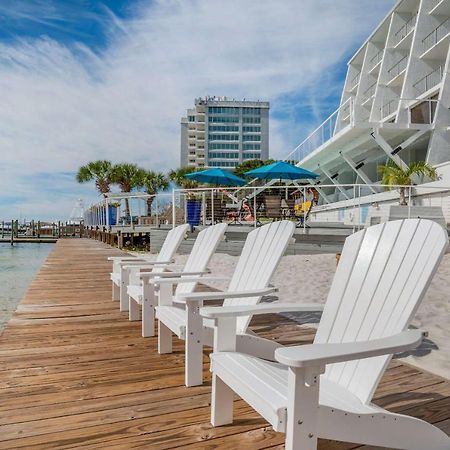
164 339
193 346
134 312
123 290
302 409
222 403
148 318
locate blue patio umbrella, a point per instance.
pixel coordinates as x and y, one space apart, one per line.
281 170
216 176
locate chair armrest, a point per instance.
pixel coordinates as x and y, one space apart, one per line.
216 312
205 296
144 264
318 355
169 274
181 278
122 258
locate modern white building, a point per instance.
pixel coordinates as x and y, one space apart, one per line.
220 132
394 106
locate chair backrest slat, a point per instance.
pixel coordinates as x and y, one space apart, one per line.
382 276
171 244
260 256
204 247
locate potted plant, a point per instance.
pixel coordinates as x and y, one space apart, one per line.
112 212
193 200
394 175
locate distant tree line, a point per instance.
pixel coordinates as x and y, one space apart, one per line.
129 177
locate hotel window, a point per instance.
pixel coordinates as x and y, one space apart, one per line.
224 155
251 111
223 137
191 118
223 110
251 155
226 119
251 119
224 146
254 129
223 128
251 137
223 163
251 147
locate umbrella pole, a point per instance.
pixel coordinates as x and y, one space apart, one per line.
212 206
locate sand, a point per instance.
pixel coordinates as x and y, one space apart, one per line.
307 278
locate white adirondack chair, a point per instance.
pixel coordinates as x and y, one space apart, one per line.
179 314
120 276
140 290
382 276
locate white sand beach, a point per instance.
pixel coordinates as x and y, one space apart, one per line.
307 278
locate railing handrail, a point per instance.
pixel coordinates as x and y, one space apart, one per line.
318 128
396 65
376 59
435 31
439 69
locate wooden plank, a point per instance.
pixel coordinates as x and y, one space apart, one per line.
75 373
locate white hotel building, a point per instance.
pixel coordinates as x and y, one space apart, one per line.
394 106
220 132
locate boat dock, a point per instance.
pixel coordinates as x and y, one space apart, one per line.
75 373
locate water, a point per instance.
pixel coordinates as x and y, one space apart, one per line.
18 265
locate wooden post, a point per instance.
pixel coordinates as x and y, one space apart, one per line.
59 228
33 231
12 232
3 229
39 229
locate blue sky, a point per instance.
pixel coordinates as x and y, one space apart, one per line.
84 79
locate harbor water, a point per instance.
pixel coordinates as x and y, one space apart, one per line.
18 265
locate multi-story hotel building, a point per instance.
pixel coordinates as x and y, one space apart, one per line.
220 132
395 105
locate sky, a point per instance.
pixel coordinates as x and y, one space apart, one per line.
82 80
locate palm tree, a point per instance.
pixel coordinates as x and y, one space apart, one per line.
127 177
178 177
393 175
153 182
99 171
250 165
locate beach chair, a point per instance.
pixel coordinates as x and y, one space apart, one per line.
324 390
119 275
303 213
141 292
272 206
260 256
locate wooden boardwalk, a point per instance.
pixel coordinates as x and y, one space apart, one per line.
75 373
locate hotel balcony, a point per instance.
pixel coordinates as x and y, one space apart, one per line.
353 84
375 62
429 81
396 71
405 31
369 93
435 44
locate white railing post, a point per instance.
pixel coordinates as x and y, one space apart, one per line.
409 202
359 207
304 212
174 212
212 206
254 206
204 208
107 211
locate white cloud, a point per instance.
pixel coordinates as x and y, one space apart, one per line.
61 107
